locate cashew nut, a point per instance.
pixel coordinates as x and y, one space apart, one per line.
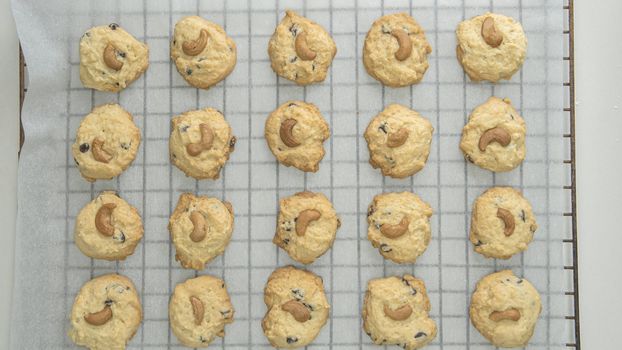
304 218
100 317
406 46
508 220
195 47
110 58
103 219
305 194
228 206
286 132
207 141
99 153
399 314
197 309
397 138
491 35
495 134
298 310
394 231
302 48
510 314
200 230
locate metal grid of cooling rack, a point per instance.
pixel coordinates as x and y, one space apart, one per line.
334 267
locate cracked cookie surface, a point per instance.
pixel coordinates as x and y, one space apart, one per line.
106 143
306 226
303 65
505 308
297 307
200 229
395 311
106 313
128 57
382 45
399 140
203 53
502 223
123 228
199 309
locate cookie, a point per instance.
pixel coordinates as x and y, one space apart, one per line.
396 50
203 53
106 143
491 47
295 133
200 143
199 310
306 226
505 309
297 307
301 50
398 140
200 229
494 136
502 223
106 313
395 311
108 228
399 226
111 58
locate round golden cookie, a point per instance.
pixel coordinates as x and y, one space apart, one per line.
297 307
306 226
200 143
203 53
491 47
396 50
199 310
106 313
494 136
399 226
106 143
395 311
502 223
108 228
398 139
301 50
200 229
111 58
295 133
505 309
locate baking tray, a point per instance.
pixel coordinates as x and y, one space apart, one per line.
570 243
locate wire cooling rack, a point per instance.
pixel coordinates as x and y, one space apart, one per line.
155 333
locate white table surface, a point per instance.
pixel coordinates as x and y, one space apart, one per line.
599 167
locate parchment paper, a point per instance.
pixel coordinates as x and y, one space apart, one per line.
50 269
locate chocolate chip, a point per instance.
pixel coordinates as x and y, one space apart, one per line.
223 285
201 59
371 210
291 340
293 29
293 59
232 142
286 241
202 340
385 30
308 306
522 215
184 128
298 294
478 243
75 160
174 42
84 147
125 146
313 66
113 26
520 280
189 71
224 313
383 127
468 158
121 54
385 248
292 105
420 334
108 302
120 237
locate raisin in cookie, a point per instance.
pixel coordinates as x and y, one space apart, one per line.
106 143
199 310
398 140
295 133
494 136
399 226
106 313
502 223
297 307
306 226
396 50
491 47
200 143
202 51
200 228
505 309
111 58
108 228
301 50
395 311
